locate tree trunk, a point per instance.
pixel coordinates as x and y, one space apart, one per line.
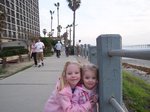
74 15
20 58
4 62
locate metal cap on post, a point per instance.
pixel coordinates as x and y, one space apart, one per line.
110 79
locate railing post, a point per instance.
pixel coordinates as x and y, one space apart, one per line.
81 50
92 55
110 78
84 51
87 50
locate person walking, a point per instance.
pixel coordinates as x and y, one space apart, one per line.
33 52
39 50
67 50
58 47
78 45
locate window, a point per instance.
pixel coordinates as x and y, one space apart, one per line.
13 27
13 20
2 1
7 3
9 33
12 6
5 33
8 11
12 13
8 18
18 29
17 15
14 34
18 22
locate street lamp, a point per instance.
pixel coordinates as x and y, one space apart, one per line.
74 5
51 12
57 5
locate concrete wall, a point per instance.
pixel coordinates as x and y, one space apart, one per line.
13 43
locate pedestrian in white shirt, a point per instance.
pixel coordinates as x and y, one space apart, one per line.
39 50
58 47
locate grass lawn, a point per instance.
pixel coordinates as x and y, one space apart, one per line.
136 93
2 71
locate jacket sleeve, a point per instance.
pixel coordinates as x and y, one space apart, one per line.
68 106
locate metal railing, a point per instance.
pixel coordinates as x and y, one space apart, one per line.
107 56
138 54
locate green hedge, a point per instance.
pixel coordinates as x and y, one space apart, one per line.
12 51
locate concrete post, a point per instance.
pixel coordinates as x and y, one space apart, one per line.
92 55
86 51
110 79
81 51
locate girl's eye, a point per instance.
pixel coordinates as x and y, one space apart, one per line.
94 78
76 72
86 77
69 73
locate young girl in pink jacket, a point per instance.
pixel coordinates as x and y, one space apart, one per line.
61 98
88 89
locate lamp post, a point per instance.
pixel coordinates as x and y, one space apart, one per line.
57 5
51 12
74 5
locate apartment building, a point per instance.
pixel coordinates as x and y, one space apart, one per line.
21 21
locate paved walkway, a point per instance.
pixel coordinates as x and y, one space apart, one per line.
28 90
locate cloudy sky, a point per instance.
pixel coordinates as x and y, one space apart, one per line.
129 18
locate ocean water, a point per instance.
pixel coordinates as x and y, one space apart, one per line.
136 47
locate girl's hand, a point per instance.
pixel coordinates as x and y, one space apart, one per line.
92 103
94 98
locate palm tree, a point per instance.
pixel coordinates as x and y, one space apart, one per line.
44 32
69 26
57 5
74 5
59 29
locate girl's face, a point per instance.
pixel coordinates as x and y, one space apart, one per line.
73 75
89 79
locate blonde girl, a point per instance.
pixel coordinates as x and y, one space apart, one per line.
61 98
88 89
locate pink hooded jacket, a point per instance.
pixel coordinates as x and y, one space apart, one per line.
82 95
62 102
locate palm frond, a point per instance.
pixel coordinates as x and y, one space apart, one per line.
69 0
70 5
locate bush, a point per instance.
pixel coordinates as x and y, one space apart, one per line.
12 51
48 45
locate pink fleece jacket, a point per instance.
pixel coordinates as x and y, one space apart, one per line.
82 95
62 102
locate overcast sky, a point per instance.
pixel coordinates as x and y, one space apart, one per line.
129 18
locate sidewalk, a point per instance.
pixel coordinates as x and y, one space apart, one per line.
28 90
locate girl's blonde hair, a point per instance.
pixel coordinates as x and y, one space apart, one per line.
63 81
90 67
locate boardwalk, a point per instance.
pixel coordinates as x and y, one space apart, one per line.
27 91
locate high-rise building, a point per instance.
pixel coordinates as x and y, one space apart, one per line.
21 20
